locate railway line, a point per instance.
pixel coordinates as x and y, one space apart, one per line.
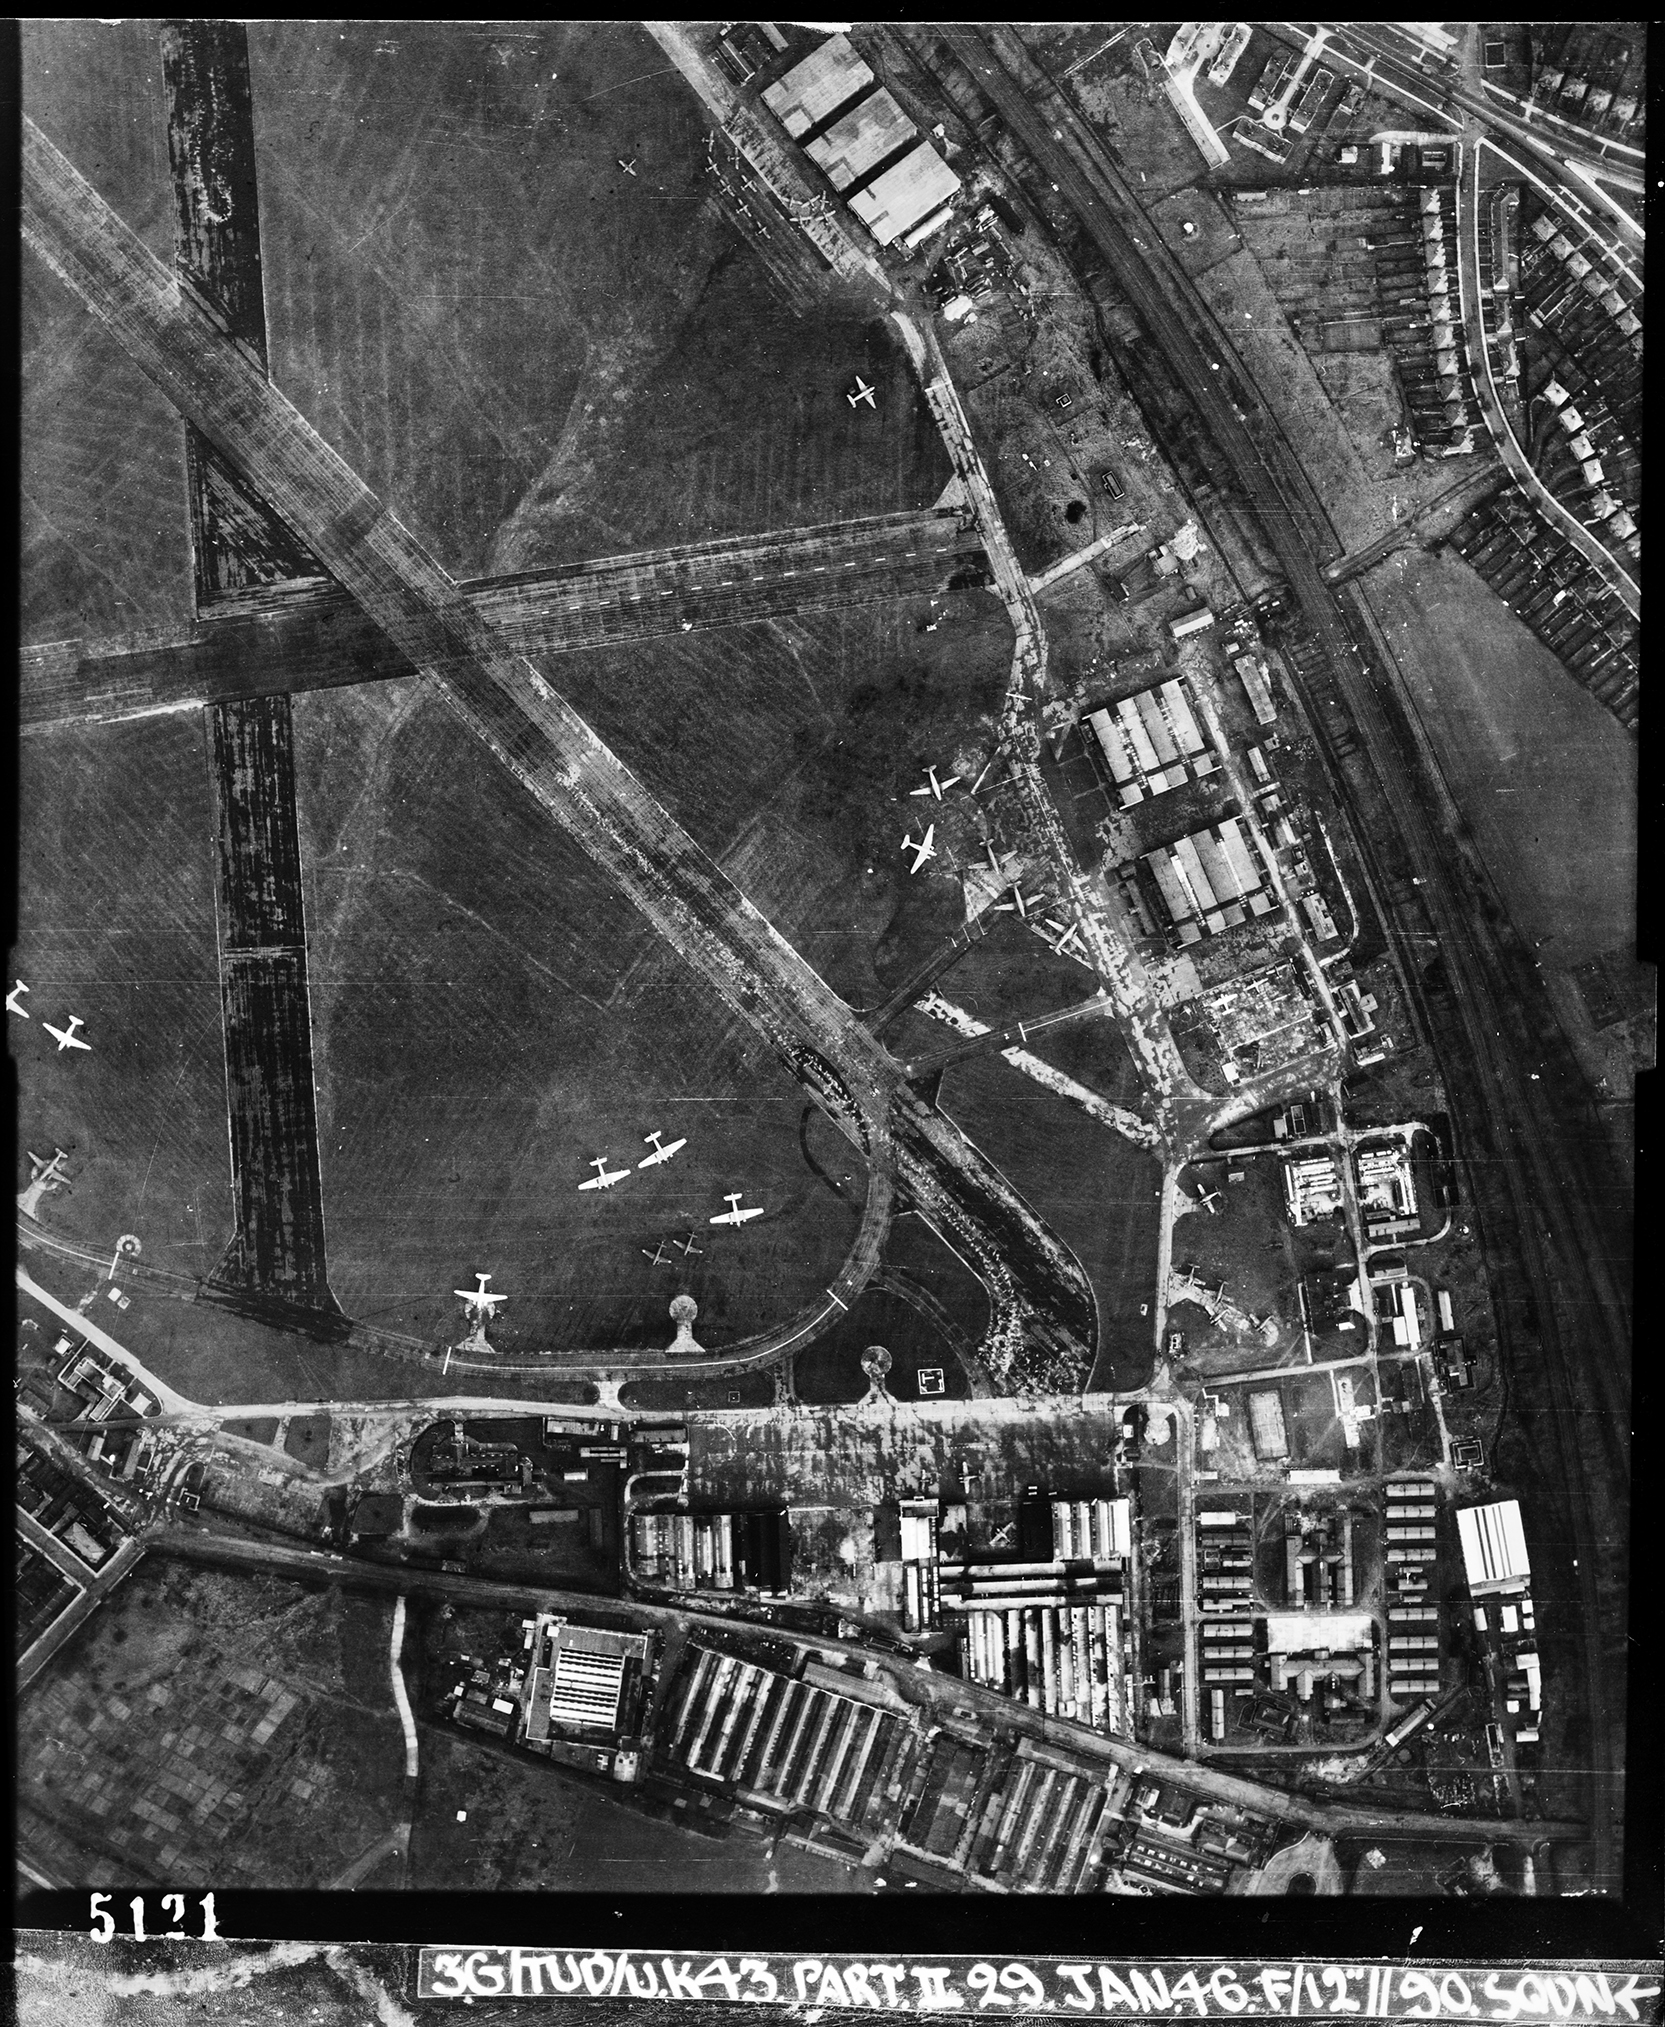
272 640
1041 1302
1580 1310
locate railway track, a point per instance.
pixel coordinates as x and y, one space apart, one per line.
1580 1311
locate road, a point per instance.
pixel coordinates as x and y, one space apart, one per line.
1585 540
271 640
80 1608
209 1549
1043 1317
1580 1308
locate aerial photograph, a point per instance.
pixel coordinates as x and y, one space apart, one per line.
826 984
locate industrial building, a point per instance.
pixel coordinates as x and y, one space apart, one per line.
811 92
583 1679
1312 1188
913 192
1494 1548
1188 623
1267 1430
1318 1560
860 140
1253 676
716 1551
1150 742
1209 881
1387 1191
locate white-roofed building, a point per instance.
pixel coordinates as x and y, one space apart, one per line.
1494 1548
812 91
913 189
859 140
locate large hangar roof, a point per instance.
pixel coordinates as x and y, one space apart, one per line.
860 139
812 91
892 203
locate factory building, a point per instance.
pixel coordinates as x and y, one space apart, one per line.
1387 1191
1267 1430
1188 623
580 1679
1151 742
811 92
1209 881
1494 1548
861 140
1312 1188
906 196
1253 676
712 1551
1091 1529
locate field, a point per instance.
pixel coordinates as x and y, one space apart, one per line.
215 1730
497 1820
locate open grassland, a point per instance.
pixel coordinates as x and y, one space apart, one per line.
1544 776
1097 1191
490 1017
117 925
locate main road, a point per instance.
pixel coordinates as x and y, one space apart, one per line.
1043 1326
274 640
1581 1311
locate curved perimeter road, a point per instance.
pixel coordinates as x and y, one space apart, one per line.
1043 1328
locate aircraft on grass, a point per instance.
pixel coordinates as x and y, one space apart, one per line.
67 1037
604 1177
658 1257
687 1246
863 393
922 848
934 787
1208 1198
629 167
11 1000
734 1215
477 1298
659 1153
45 1178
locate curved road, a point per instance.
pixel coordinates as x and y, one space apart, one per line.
1044 1322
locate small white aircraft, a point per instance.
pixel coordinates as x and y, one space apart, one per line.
734 1215
658 1257
863 393
629 167
67 1037
1071 938
1020 903
687 1246
659 1153
11 1000
604 1177
1208 1198
933 787
922 848
477 1298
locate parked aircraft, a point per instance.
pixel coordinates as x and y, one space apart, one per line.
1208 1198
1020 903
659 1153
933 787
687 1246
863 393
604 1177
734 1215
629 167
658 1257
11 1000
1071 938
922 848
45 1177
67 1037
477 1298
